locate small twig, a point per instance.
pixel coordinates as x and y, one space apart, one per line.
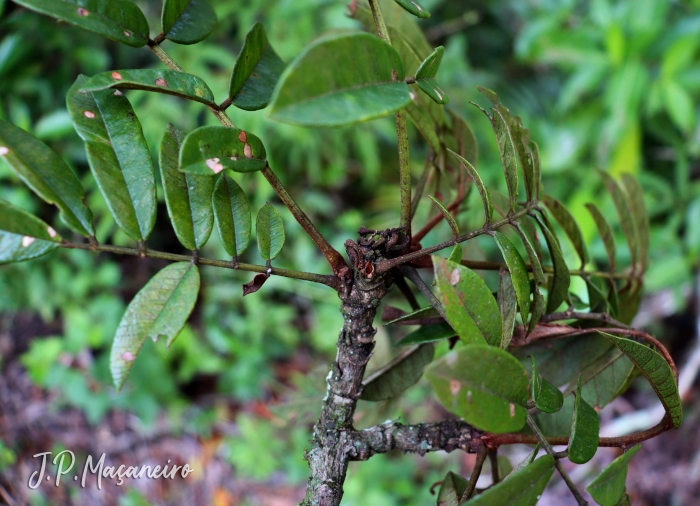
404 171
159 38
410 80
476 472
225 104
495 473
565 476
412 274
574 315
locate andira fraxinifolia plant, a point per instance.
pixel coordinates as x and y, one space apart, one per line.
504 386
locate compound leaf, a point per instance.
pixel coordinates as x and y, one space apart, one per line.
47 175
161 308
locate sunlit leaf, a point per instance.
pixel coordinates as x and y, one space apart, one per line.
518 272
233 218
585 430
210 149
482 384
357 86
161 308
187 196
480 186
546 396
168 82
471 309
187 21
397 376
118 156
23 236
568 223
257 70
46 174
608 488
269 230
522 488
446 214
119 20
657 371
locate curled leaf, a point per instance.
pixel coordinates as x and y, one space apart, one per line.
256 284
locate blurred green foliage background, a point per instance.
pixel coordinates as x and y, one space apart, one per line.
600 83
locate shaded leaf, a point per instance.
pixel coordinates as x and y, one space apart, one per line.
187 21
256 284
448 217
257 70
269 229
357 86
161 308
118 156
605 232
456 254
526 462
585 430
23 236
568 223
480 186
414 8
482 384
624 213
451 490
469 305
635 198
522 488
535 152
233 217
559 287
419 314
518 272
428 334
188 197
168 82
608 488
425 77
657 371
210 149
47 175
508 305
401 373
546 396
119 20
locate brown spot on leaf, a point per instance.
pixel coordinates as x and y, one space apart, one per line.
128 356
161 82
83 12
455 387
243 137
256 284
4 150
247 151
116 75
455 277
89 114
26 241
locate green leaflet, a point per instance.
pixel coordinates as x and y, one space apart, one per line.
270 232
635 197
480 186
118 20
451 490
428 334
187 21
526 231
168 82
482 384
608 488
446 214
535 152
526 462
397 376
23 236
559 287
414 8
233 218
456 254
469 305
624 213
47 175
188 197
161 308
568 223
118 155
257 70
522 488
585 429
357 87
518 272
605 232
508 305
546 396
426 312
657 371
425 76
210 149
